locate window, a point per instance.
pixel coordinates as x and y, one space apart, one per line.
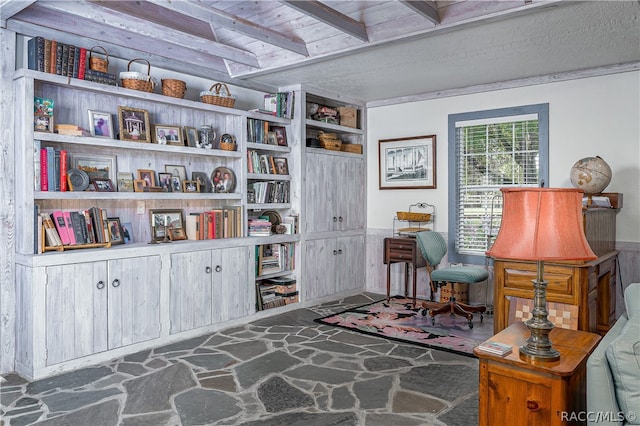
489 150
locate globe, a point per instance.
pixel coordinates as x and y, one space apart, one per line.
591 174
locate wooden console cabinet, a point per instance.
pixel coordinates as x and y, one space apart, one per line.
514 391
589 285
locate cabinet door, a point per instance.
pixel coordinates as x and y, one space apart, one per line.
321 192
350 266
350 193
134 300
319 271
76 311
233 292
190 288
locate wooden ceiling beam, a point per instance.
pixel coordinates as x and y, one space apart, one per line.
234 23
134 30
330 17
425 8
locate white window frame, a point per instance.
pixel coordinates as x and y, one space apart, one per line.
501 115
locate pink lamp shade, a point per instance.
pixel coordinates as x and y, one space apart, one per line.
541 224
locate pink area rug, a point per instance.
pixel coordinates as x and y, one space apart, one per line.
397 320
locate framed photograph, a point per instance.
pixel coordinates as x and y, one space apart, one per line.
163 221
280 166
167 135
104 185
176 185
164 181
43 123
190 186
125 182
101 124
407 163
96 166
272 139
203 180
140 185
177 234
179 171
134 124
281 134
127 232
115 230
149 176
191 137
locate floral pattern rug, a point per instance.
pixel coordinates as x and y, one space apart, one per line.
397 320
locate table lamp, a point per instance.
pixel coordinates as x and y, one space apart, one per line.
541 224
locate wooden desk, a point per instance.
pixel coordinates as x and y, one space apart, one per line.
403 250
513 391
589 285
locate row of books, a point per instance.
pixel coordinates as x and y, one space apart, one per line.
261 131
70 228
53 57
276 257
266 164
268 192
275 292
225 222
279 104
50 168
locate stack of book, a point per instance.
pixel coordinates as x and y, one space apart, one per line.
225 222
495 348
71 130
259 227
268 192
278 104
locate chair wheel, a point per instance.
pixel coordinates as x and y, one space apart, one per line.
481 317
433 320
424 312
470 325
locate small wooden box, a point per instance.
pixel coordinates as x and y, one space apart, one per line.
351 147
282 290
290 298
460 292
348 117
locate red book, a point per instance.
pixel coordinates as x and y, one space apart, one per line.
82 64
67 219
44 170
63 170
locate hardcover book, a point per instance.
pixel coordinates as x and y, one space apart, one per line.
495 348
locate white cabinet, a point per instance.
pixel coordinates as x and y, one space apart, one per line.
85 308
210 286
333 265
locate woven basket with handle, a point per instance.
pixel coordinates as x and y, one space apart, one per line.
139 81
99 64
174 88
214 96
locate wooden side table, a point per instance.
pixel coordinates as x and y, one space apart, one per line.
403 250
514 391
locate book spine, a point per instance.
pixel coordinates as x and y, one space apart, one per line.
47 55
44 169
61 226
76 62
82 64
36 164
64 166
59 54
51 164
56 169
70 229
70 59
91 233
79 227
36 53
64 60
54 56
51 234
105 226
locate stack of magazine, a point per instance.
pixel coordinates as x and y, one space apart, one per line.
495 348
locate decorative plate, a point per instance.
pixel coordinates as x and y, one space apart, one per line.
275 219
78 179
223 180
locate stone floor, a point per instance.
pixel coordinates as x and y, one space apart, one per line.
283 370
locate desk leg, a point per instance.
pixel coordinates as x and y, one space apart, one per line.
406 280
415 279
388 280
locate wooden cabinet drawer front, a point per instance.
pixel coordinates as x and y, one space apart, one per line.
400 254
401 246
559 281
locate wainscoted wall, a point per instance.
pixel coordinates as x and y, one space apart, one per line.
629 271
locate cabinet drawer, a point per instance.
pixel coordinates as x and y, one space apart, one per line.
561 281
401 246
401 254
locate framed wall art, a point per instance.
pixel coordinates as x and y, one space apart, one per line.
407 163
167 135
101 124
134 124
163 221
96 166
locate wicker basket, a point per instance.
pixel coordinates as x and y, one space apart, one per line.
414 217
98 64
174 88
330 141
137 80
214 97
227 142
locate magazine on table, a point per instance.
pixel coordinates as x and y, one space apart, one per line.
495 348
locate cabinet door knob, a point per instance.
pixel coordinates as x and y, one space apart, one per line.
335 219
340 251
218 268
207 269
335 252
115 283
533 405
340 218
100 285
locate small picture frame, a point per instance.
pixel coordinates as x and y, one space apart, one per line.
164 181
280 166
281 134
95 166
162 221
140 185
176 185
175 170
115 230
103 185
134 124
43 123
101 124
203 180
176 234
125 182
127 232
167 135
191 137
190 186
272 139
149 176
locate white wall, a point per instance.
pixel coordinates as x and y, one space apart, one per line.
587 117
